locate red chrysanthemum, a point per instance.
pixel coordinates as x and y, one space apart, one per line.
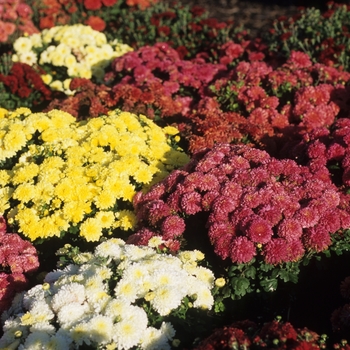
242 250
92 4
96 23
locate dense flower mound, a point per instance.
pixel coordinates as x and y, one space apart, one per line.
70 51
269 104
325 148
18 258
15 16
255 205
272 335
109 298
22 86
159 67
58 175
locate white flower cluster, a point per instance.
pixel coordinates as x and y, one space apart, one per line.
83 51
76 306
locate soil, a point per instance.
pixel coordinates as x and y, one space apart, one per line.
255 15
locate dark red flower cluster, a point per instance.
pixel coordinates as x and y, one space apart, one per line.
254 204
272 335
17 258
24 82
89 100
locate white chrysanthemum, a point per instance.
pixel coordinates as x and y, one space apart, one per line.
70 293
205 275
43 327
166 299
101 329
34 294
36 341
154 339
127 334
126 290
168 330
111 248
80 333
59 342
116 308
12 329
72 313
204 298
135 253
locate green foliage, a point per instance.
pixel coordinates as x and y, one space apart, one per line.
187 29
323 36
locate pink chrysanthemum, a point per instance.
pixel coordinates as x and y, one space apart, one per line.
242 250
308 216
276 251
259 230
172 226
191 203
317 238
208 199
290 229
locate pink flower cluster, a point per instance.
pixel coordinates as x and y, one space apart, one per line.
254 205
15 14
159 68
17 258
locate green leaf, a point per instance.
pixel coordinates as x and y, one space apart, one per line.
269 284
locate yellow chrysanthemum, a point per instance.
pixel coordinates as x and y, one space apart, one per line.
91 230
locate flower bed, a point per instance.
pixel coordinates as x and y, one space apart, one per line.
168 182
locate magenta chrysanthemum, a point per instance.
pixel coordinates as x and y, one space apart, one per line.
259 231
172 226
242 250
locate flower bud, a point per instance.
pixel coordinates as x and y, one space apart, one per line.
220 282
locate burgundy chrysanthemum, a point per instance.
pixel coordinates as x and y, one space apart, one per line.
242 250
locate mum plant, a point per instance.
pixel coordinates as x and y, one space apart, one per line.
62 177
324 36
15 20
118 297
255 216
64 52
22 86
18 260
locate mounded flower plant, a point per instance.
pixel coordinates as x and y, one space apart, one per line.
59 176
118 297
261 216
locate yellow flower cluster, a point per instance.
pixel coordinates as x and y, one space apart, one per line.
84 53
59 175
